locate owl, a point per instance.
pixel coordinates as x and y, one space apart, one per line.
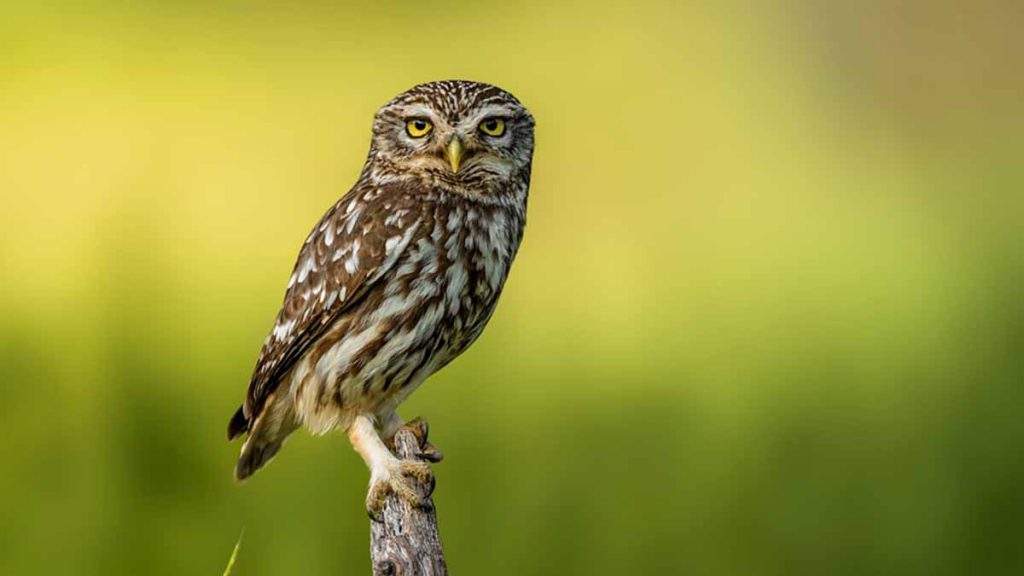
397 279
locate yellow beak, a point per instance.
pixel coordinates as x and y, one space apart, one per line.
454 154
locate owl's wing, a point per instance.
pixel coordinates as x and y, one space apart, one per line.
354 244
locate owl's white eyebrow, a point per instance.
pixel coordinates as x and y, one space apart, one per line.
418 112
500 111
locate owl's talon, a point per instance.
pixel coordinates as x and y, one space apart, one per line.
375 500
410 480
420 429
420 471
430 453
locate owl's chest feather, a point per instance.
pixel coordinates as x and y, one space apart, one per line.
432 305
474 250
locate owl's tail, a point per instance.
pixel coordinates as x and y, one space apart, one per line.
238 425
267 433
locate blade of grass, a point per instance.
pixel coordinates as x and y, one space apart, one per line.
234 554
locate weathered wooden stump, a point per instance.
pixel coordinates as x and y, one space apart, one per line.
404 540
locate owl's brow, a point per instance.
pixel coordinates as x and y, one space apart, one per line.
499 111
417 111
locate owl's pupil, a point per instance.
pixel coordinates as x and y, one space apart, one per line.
419 125
492 125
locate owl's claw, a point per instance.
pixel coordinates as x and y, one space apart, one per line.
418 426
430 453
410 480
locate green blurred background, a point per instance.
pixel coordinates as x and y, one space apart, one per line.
767 318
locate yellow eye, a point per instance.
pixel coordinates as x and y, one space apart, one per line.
493 126
418 127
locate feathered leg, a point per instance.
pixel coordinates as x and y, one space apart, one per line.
388 474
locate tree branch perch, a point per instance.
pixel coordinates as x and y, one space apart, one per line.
404 540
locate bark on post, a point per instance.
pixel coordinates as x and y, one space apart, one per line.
404 540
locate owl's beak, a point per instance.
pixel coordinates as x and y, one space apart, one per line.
454 154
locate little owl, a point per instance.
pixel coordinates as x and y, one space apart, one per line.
398 278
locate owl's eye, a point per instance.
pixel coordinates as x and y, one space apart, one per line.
493 127
418 127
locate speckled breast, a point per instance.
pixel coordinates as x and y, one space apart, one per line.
434 303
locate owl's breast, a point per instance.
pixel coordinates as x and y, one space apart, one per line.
432 305
463 266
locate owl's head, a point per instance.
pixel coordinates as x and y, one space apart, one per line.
463 136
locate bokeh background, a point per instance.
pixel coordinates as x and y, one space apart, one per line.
767 318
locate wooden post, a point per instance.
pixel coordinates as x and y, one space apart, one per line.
404 540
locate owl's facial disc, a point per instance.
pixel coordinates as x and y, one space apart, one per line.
464 137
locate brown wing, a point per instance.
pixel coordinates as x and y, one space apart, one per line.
354 244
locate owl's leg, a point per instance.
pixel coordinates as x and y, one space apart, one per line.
418 426
389 427
388 474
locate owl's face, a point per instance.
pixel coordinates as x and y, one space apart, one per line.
464 136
